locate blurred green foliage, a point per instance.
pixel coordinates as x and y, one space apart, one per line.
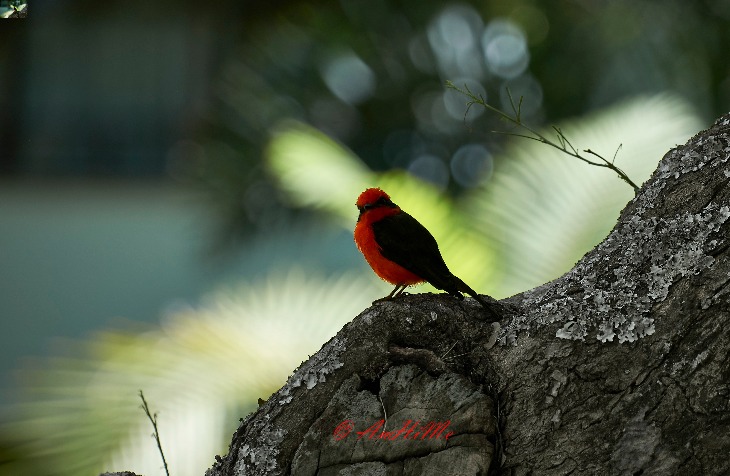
371 75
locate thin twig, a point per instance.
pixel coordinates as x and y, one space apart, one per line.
156 434
562 144
616 153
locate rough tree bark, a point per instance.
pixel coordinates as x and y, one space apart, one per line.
618 367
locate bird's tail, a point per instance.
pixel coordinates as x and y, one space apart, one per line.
464 288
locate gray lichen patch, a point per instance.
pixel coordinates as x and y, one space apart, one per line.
609 293
261 458
647 256
710 150
315 370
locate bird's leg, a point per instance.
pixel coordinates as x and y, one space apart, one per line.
401 291
397 290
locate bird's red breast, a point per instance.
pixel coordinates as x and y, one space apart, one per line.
374 205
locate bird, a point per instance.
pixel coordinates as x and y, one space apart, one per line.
401 251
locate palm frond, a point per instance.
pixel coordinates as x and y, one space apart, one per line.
201 370
314 170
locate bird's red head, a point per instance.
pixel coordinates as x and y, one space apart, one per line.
370 196
373 198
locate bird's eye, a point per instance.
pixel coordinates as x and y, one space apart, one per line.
381 202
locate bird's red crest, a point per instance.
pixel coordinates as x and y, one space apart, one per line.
370 196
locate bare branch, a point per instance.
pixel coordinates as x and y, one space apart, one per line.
156 434
562 144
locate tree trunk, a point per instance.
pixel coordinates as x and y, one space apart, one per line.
618 367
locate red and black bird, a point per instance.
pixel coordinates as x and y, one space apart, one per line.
401 250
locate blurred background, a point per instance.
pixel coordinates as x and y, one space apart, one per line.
13 9
177 186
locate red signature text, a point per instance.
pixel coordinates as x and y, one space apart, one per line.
411 430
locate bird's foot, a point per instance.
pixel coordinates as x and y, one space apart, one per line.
391 298
383 299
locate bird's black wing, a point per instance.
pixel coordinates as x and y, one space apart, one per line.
403 240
